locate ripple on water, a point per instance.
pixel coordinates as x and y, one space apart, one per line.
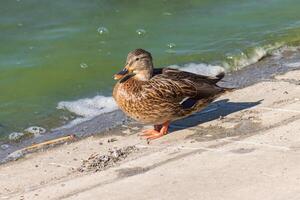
167 13
102 30
83 65
141 32
171 45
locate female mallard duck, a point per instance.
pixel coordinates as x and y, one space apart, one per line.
159 96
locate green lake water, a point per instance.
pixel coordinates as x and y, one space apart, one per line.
53 51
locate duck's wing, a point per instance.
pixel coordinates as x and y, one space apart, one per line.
181 87
177 74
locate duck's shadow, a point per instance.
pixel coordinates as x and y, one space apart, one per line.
214 111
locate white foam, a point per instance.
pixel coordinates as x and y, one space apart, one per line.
15 135
242 60
256 54
200 68
88 108
36 130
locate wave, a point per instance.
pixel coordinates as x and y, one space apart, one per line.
250 56
88 108
200 68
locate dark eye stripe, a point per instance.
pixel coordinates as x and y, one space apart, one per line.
137 60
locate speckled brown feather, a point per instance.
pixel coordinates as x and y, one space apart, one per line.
159 99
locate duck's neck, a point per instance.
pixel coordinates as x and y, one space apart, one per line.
144 75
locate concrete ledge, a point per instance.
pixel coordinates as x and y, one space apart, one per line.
246 145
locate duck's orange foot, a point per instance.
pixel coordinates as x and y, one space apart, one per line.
151 134
154 134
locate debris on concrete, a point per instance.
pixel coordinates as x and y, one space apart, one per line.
112 140
97 162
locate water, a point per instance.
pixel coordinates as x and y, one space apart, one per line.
63 51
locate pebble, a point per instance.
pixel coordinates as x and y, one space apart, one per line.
112 140
127 131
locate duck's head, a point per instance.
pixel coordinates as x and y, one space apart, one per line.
138 64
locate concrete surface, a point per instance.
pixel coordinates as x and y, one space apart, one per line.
246 145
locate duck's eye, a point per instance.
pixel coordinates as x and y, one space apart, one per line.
137 59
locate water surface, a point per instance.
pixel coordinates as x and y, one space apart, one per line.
53 51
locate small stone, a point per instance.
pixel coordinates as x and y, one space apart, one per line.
135 128
127 131
112 140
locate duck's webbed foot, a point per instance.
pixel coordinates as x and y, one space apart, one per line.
157 132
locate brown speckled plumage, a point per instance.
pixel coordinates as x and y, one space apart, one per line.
155 96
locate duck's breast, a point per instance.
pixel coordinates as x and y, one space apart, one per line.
139 101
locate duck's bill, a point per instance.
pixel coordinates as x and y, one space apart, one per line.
121 74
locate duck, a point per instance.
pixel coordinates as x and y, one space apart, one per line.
159 96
